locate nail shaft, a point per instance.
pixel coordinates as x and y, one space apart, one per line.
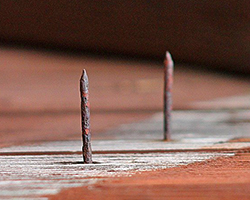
168 83
85 118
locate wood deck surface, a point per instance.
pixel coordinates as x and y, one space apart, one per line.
39 98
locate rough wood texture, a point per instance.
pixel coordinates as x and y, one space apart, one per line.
214 33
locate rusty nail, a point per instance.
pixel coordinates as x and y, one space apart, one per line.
85 117
168 83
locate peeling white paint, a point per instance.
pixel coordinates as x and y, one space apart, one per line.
33 176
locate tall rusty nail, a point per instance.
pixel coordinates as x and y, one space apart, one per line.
168 83
85 117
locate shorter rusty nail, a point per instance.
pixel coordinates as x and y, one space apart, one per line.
85 118
168 83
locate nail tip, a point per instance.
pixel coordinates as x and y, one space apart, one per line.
168 55
84 74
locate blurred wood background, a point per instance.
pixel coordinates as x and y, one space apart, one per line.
215 34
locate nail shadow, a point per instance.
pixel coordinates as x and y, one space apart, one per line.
77 163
